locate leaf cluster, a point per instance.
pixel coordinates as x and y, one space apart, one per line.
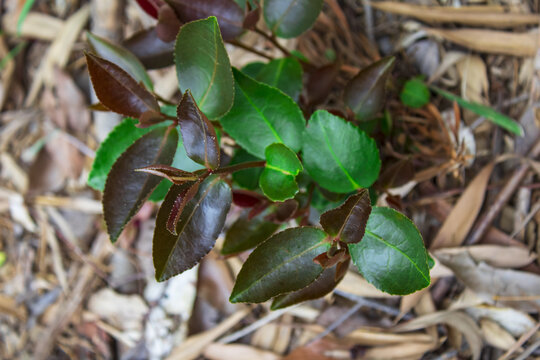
287 156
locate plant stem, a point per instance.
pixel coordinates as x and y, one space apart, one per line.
238 167
273 40
250 49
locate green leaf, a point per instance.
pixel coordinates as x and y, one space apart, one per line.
3 258
118 140
262 115
284 74
317 289
392 255
348 222
28 4
229 15
127 189
338 155
489 113
415 93
281 264
202 65
198 134
365 94
198 227
278 180
247 233
120 56
118 91
253 69
290 18
248 178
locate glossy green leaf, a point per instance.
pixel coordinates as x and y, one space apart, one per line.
198 134
118 91
253 69
229 15
281 264
127 189
246 233
348 222
262 115
198 227
415 93
392 255
290 18
284 74
278 179
153 52
118 140
248 178
365 94
202 65
489 113
338 155
120 56
324 284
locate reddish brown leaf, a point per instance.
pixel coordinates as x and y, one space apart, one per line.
153 52
331 258
229 15
284 212
168 24
348 222
246 198
179 204
200 139
117 90
320 82
151 7
396 175
252 18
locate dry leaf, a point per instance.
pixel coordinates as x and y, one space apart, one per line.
458 224
401 351
478 16
355 284
519 289
456 319
474 79
237 352
514 321
373 337
494 255
496 335
491 41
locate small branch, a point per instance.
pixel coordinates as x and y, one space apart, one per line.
238 167
250 49
504 195
273 40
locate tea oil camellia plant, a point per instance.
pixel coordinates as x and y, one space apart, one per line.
282 164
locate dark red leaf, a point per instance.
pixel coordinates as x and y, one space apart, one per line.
149 118
320 82
150 49
199 225
117 90
365 94
252 18
229 15
324 284
168 24
179 204
396 175
246 198
170 173
127 189
329 259
348 222
200 139
151 7
284 211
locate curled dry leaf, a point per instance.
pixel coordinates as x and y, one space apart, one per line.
117 90
494 255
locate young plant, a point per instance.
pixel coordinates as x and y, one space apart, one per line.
283 168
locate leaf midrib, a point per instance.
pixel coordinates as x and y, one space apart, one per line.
275 269
214 71
377 237
282 17
334 156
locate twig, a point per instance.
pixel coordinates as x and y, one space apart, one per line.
503 197
250 49
371 304
256 325
525 355
336 323
273 40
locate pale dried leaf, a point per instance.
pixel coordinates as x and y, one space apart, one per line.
514 321
355 284
458 224
496 335
491 41
474 79
401 351
455 319
494 255
237 352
